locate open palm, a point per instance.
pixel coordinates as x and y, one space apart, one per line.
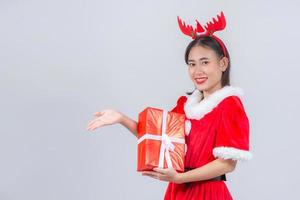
105 117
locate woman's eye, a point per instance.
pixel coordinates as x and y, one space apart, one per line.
191 64
205 62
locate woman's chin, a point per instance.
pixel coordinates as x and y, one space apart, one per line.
201 87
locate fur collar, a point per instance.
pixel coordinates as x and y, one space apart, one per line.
195 108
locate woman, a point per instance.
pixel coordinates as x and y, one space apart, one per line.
217 127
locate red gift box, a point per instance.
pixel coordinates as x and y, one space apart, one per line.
161 140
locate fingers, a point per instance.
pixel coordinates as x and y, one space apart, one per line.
94 124
105 117
98 114
156 171
160 170
155 175
151 174
148 174
91 123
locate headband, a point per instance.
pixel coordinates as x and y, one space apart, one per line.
208 30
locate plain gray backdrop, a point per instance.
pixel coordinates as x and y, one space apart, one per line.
63 60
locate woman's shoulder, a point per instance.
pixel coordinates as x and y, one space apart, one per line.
232 103
230 97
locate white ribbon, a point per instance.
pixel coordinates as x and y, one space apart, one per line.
166 144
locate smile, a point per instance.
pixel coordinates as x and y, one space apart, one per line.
200 80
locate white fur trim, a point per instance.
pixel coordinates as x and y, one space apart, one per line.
187 126
195 108
232 153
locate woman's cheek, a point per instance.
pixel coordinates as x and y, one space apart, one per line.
191 74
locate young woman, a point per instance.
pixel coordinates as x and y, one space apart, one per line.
217 127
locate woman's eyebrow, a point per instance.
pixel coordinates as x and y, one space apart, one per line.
203 58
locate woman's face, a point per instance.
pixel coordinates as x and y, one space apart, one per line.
205 69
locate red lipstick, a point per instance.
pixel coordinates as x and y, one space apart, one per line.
200 80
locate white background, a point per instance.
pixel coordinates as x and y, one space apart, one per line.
62 60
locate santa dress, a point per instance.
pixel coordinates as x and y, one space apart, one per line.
216 127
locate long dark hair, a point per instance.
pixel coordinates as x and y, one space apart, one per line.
211 43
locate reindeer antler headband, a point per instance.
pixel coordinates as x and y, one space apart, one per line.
208 30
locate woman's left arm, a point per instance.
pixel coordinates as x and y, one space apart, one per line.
210 170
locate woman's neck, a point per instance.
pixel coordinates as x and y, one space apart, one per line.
207 93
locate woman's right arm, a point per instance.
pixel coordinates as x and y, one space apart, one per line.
130 124
110 117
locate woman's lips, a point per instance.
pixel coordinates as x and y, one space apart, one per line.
200 80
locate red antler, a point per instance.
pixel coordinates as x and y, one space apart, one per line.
216 25
188 29
211 27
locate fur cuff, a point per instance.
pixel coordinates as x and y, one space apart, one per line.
232 153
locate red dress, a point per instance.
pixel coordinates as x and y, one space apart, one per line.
216 127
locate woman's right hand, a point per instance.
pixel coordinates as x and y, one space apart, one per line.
105 117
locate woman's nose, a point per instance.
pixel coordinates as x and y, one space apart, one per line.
198 67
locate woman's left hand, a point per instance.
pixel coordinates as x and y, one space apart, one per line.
169 174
